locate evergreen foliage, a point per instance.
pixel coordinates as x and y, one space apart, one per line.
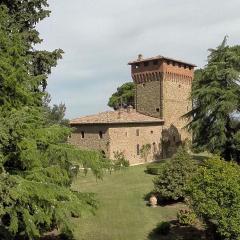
123 97
214 193
174 175
36 162
216 101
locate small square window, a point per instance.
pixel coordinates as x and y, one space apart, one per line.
158 109
146 64
152 132
155 62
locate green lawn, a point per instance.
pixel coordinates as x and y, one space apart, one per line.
122 214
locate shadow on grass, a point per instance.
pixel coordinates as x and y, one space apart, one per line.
178 232
54 236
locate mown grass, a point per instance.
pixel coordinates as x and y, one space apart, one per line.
122 212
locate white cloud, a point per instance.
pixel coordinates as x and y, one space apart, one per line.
99 37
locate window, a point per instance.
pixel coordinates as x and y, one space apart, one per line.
103 154
82 134
155 62
138 149
126 134
168 62
137 65
158 109
152 132
154 147
100 135
137 132
146 64
143 84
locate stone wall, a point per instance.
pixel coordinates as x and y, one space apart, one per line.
91 138
177 83
125 139
147 102
122 138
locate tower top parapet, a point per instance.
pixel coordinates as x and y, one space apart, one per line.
140 59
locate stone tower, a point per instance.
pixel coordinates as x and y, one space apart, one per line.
163 87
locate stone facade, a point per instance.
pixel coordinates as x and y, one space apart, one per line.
94 137
127 138
163 87
130 138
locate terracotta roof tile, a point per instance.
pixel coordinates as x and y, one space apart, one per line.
114 117
159 57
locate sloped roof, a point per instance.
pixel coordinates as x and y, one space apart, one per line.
159 57
115 117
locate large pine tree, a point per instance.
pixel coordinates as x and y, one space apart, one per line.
36 163
216 103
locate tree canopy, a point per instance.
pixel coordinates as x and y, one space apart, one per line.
36 163
216 103
174 175
123 97
214 193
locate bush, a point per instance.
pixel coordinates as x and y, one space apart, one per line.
162 228
173 176
215 196
153 169
120 161
186 217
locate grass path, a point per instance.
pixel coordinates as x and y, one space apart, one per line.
122 214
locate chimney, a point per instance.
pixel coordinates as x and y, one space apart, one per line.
140 57
120 111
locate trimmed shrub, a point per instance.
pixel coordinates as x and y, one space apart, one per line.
153 169
174 175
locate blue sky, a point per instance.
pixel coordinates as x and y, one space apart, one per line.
99 37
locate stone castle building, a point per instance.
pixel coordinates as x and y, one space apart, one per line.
162 91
